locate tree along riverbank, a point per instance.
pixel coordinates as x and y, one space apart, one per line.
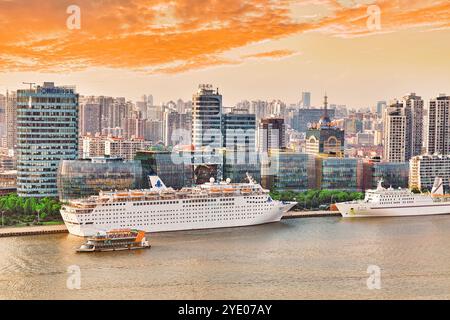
316 199
18 211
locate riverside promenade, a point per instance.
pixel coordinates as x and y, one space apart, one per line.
61 228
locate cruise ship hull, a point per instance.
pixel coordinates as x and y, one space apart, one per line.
352 210
180 219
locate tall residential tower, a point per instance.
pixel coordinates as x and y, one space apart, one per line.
439 125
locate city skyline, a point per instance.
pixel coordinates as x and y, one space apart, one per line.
167 50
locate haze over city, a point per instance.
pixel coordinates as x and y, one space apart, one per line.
258 49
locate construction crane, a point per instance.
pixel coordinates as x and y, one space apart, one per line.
31 84
31 88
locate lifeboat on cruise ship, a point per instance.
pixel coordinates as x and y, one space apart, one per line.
215 190
121 195
168 194
152 195
228 191
246 191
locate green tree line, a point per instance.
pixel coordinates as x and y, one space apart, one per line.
314 199
17 210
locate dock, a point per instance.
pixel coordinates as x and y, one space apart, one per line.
32 230
310 214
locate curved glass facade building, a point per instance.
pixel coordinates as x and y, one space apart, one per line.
47 132
83 178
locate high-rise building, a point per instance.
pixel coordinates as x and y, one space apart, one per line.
207 118
47 132
439 125
239 131
133 126
3 118
395 133
271 134
153 130
403 129
414 125
90 118
380 107
175 127
11 119
306 99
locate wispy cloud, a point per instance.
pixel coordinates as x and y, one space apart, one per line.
160 36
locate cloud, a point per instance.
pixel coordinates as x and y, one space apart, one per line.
274 54
160 36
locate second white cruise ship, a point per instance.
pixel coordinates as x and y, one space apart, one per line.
391 202
211 205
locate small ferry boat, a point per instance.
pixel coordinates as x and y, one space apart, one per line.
116 240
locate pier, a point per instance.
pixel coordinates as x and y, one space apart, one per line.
32 230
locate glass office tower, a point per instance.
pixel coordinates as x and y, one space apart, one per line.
47 132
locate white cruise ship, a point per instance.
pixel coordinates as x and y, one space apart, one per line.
391 202
211 205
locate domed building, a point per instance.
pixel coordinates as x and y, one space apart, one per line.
324 137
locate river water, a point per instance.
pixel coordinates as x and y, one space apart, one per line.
316 258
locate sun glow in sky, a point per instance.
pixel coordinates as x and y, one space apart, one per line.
250 49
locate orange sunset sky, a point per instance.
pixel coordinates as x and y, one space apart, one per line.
250 49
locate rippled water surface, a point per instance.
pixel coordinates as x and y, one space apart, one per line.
320 258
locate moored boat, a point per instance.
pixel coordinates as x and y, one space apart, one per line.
390 202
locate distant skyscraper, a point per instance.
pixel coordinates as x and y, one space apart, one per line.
239 132
153 130
47 132
90 118
306 99
414 125
3 117
150 100
207 118
176 121
439 125
380 106
11 120
395 132
403 129
271 134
